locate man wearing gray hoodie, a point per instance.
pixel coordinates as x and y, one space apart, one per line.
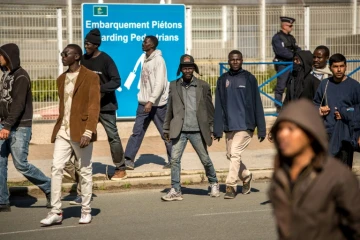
152 97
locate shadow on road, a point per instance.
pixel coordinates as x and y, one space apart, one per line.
75 212
149 158
22 199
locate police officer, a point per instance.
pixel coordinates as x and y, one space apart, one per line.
284 46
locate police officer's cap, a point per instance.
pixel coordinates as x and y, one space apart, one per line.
287 19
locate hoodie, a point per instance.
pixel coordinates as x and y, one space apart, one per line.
321 73
301 83
154 86
15 91
323 202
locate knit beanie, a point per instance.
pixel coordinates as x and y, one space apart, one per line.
94 37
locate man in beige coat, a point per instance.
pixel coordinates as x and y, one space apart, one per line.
75 130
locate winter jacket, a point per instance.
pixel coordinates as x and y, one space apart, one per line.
254 112
154 86
301 83
323 202
16 108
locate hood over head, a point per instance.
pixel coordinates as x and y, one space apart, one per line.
306 58
11 53
305 115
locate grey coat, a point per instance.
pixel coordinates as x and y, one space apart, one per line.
176 110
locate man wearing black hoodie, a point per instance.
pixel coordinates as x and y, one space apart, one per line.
313 195
302 84
15 124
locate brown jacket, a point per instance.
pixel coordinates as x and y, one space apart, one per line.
324 202
85 105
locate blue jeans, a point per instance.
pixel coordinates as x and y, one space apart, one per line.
178 148
18 146
142 122
108 120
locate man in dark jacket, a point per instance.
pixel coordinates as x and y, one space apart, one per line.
313 195
189 116
302 84
15 124
284 46
238 111
336 98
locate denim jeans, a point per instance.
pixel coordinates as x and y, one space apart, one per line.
108 120
198 143
142 122
18 146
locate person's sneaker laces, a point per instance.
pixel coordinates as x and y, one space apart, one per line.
172 195
48 200
119 175
85 218
5 208
130 165
51 219
214 190
76 201
230 193
246 189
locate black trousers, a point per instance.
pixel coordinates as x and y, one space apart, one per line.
346 153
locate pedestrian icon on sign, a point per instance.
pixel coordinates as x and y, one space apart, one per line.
100 11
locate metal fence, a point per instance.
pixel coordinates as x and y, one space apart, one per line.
216 30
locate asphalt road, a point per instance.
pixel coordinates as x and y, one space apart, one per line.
140 214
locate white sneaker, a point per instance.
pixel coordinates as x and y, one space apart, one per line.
51 219
215 190
85 218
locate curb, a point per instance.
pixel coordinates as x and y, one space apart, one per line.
158 178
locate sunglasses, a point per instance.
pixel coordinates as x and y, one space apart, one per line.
65 54
290 25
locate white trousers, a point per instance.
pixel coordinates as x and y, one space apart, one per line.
62 154
236 142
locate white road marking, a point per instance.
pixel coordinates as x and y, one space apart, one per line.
41 229
225 213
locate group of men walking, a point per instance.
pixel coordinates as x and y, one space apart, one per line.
183 111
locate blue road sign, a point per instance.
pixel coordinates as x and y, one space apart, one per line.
123 28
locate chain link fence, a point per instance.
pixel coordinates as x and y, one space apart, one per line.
216 30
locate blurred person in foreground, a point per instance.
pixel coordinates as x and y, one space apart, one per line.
313 195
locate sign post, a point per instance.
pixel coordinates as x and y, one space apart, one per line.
123 28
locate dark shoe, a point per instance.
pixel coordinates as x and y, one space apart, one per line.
119 175
167 165
48 200
246 189
5 208
130 165
230 193
76 201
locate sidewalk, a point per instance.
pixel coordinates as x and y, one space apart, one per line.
151 158
258 157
